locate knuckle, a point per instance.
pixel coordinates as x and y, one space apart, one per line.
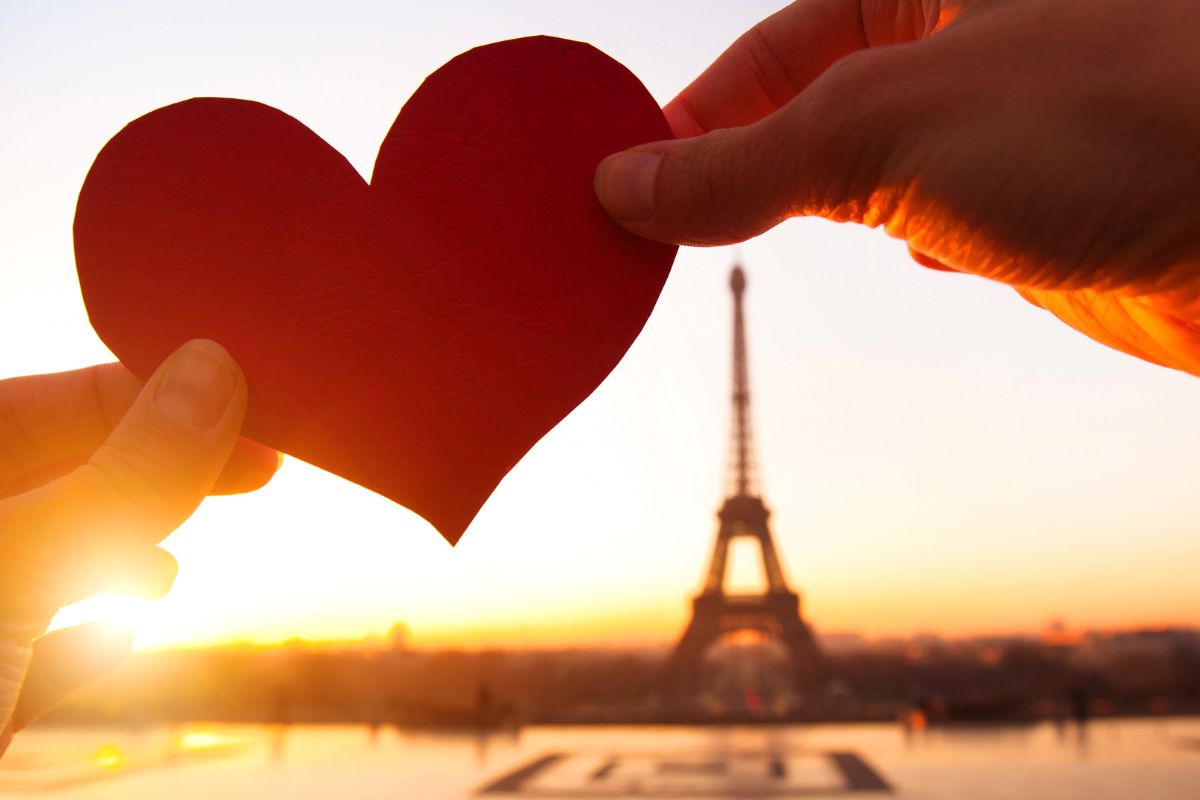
855 119
35 588
727 188
145 488
16 440
768 69
704 184
850 80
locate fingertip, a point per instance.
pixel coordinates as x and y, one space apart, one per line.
161 570
929 262
211 349
139 571
625 185
682 122
216 351
197 384
251 466
723 187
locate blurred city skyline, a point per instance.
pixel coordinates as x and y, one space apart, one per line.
938 455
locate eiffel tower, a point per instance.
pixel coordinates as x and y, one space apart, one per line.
774 612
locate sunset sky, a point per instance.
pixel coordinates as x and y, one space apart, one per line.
939 455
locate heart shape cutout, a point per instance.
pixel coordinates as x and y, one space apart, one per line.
418 334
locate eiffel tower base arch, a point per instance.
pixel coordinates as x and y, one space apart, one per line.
715 614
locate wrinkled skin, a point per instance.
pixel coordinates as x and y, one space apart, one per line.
1053 145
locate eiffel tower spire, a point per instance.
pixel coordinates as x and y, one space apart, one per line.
742 467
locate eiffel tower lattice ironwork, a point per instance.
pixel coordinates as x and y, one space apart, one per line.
776 610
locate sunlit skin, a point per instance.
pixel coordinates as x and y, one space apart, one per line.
1034 142
95 470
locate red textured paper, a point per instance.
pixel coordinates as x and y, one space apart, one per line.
418 334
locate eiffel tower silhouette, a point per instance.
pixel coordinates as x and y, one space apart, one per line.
715 612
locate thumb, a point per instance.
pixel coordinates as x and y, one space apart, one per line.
826 152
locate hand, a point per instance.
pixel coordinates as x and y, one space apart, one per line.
95 470
1048 144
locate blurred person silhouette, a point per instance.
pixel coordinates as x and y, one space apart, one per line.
1047 144
1080 703
95 470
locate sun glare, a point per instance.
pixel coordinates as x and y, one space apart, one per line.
115 611
200 739
109 756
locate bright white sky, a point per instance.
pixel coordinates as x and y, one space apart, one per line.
939 455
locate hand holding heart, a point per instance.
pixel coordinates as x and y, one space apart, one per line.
417 334
95 470
1036 142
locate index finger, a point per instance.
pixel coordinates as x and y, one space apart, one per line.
777 58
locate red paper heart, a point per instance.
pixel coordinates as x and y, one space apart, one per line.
416 335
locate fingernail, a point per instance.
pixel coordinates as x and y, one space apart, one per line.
197 387
625 185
